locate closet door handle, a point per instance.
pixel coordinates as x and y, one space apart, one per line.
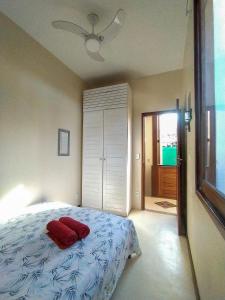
102 158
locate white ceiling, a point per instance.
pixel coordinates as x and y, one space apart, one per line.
152 40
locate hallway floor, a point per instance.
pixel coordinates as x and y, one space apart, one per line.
163 271
150 204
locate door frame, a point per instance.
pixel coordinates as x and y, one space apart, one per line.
182 205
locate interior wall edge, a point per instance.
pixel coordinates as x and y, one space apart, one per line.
194 278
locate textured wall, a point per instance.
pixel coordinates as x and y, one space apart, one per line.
38 95
153 93
206 242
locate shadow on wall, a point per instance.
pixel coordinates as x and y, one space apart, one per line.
34 62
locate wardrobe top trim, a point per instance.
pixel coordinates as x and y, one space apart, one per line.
106 89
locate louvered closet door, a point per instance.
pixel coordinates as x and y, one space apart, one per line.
92 159
115 163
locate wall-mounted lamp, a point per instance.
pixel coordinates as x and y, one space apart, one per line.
187 112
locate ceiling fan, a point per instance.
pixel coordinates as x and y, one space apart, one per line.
94 41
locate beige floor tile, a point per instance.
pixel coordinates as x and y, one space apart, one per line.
163 270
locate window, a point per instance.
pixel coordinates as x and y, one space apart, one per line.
167 131
210 104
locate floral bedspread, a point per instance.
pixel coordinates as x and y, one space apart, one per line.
33 267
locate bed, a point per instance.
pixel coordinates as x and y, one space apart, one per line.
33 267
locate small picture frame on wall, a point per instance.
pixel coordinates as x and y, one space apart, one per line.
63 142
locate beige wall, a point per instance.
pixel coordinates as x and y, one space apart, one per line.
207 244
153 93
38 95
148 156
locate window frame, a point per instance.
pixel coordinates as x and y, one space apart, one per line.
213 200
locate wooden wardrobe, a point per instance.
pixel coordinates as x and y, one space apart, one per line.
106 170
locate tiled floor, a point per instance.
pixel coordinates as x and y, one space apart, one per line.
150 205
163 270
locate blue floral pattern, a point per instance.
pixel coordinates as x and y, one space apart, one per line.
33 267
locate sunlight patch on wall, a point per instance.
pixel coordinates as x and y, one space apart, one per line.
12 203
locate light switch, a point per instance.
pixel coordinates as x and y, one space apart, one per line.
137 156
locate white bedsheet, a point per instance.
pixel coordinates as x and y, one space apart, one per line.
33 267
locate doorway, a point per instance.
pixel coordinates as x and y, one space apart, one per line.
161 164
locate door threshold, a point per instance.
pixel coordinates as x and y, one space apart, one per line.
160 212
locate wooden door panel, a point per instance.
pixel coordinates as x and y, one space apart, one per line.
181 173
164 181
167 182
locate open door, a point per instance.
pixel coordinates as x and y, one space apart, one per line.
181 172
179 165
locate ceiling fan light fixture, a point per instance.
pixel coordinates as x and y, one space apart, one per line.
93 41
92 44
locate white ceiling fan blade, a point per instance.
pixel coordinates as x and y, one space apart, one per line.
71 27
95 55
111 31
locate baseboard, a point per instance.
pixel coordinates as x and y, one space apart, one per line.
197 294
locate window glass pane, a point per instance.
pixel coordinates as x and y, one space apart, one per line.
213 65
168 139
219 29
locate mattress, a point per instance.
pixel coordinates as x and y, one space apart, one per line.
33 267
